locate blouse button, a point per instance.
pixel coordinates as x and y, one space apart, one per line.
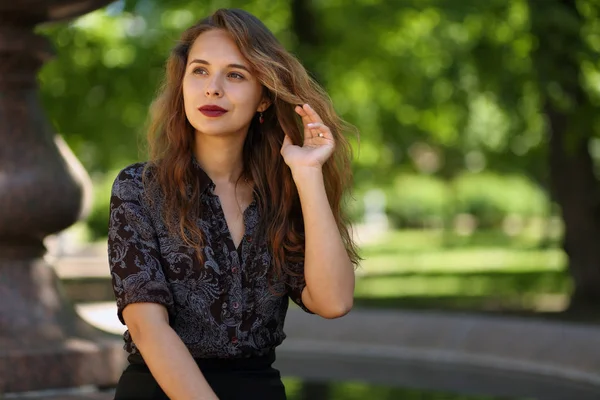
249 238
236 305
234 340
234 270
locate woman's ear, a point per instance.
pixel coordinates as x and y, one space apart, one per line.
263 105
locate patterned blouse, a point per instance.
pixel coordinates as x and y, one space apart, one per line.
225 308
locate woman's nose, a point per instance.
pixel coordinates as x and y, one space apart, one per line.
214 88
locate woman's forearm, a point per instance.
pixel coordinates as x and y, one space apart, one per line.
328 271
172 365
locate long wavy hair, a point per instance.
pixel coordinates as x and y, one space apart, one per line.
286 83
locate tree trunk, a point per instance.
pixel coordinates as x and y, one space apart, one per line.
569 116
305 24
574 187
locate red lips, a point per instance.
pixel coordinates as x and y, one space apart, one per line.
212 110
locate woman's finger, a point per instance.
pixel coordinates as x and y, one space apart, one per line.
312 114
319 130
303 115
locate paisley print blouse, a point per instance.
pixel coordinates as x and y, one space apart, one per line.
225 308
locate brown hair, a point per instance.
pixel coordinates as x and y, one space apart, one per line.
287 84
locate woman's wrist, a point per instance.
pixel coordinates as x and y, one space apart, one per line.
305 173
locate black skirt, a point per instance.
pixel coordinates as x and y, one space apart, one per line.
231 379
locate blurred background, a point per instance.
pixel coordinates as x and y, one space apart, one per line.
476 172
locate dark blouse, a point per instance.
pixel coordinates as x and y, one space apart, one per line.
225 308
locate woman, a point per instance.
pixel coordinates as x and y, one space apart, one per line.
238 209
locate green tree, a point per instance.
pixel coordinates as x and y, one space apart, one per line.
516 81
568 36
435 87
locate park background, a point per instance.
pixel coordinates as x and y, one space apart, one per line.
476 171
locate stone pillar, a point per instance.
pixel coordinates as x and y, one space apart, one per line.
43 343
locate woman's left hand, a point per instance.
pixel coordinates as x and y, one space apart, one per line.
318 142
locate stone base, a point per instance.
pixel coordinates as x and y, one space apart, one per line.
73 394
44 344
73 362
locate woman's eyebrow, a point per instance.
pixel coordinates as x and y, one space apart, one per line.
199 61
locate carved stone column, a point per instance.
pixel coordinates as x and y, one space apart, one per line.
43 343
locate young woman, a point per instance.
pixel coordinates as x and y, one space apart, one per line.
238 209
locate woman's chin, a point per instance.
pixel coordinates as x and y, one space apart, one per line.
212 130
216 130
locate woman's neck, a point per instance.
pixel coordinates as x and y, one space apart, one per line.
220 158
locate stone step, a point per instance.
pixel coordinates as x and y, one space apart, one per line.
62 395
85 279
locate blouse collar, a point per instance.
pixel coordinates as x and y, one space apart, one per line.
203 179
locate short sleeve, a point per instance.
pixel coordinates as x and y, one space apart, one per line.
133 251
296 284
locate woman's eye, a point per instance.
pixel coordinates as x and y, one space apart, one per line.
199 71
236 75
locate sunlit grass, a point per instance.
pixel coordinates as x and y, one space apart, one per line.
435 285
462 260
488 270
361 391
435 251
419 240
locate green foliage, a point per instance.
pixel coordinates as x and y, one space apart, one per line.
355 205
456 75
108 67
97 221
418 201
298 390
491 272
491 197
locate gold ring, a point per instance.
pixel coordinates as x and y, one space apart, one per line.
320 135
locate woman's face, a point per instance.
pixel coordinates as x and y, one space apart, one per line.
220 93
